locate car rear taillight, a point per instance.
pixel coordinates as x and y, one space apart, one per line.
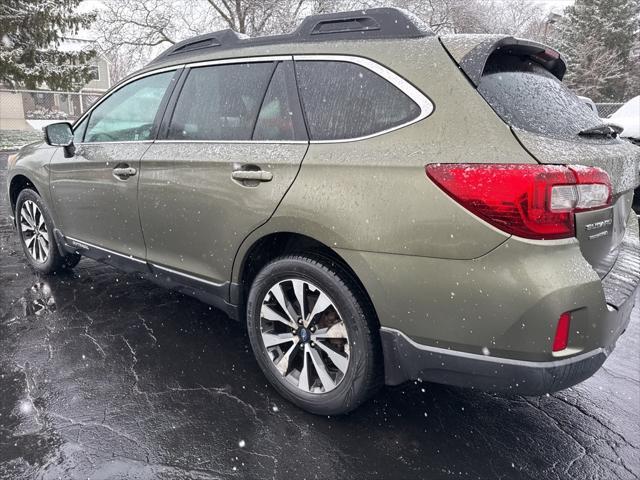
531 201
561 340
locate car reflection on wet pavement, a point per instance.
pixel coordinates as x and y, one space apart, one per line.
104 375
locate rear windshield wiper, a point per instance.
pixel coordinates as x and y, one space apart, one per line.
603 130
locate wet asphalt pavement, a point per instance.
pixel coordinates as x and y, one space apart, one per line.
104 375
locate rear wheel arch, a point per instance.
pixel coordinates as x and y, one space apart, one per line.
274 245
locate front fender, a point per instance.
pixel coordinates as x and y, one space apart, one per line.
32 163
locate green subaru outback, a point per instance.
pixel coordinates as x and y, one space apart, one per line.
376 202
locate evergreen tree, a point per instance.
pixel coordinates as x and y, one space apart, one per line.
596 37
30 31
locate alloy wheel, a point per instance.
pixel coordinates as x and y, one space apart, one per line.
34 231
304 335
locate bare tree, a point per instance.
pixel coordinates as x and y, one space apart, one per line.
254 17
150 23
512 17
132 31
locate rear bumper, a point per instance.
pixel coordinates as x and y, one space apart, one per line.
406 360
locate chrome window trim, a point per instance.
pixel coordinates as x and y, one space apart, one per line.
186 275
425 105
231 61
91 245
113 143
294 142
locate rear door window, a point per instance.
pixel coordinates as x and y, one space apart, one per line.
343 100
220 102
527 96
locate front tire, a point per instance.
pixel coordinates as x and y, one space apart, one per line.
35 230
314 335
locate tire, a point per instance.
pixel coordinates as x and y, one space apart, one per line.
29 209
348 321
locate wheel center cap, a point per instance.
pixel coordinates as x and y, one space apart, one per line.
304 335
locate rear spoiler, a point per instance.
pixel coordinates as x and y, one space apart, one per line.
472 52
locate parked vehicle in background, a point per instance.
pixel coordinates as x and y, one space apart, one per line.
316 186
628 117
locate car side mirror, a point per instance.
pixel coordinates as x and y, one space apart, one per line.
60 135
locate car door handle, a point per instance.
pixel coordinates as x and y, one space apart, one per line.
124 172
255 175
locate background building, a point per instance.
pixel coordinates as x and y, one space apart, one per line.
32 109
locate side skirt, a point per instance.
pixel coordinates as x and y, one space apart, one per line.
208 292
204 290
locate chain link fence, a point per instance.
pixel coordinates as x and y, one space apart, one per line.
23 113
32 109
605 110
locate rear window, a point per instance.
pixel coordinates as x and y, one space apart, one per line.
529 97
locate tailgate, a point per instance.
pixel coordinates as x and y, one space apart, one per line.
522 82
600 232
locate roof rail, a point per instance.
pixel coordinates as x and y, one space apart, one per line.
214 39
374 23
370 23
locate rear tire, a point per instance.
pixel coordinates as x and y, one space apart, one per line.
325 357
35 230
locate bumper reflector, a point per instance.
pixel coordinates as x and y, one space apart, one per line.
561 339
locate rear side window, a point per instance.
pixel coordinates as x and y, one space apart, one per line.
342 100
527 96
220 102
